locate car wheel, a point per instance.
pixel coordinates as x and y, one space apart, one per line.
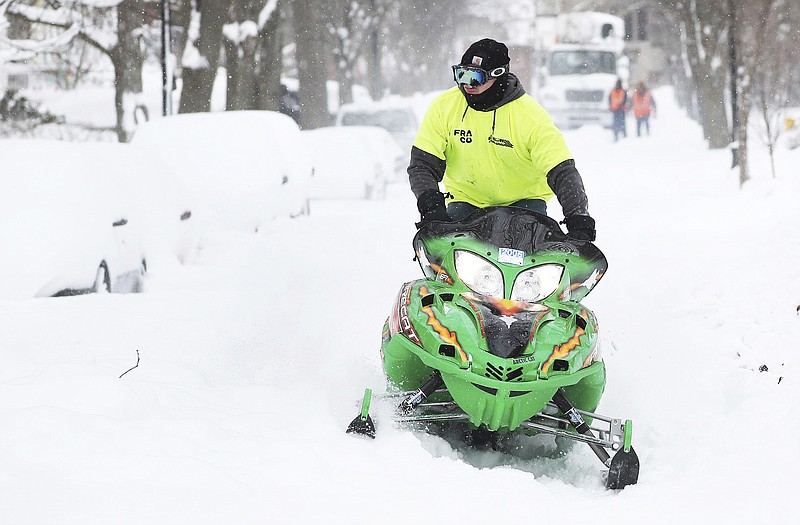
102 280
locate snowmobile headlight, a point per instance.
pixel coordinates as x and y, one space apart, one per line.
480 275
537 283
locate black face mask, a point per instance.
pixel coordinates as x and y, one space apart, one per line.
490 97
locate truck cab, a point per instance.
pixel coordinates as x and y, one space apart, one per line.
581 69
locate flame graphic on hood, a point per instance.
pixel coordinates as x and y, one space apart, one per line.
441 274
500 306
563 350
446 335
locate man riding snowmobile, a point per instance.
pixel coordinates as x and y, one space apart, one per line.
494 336
492 144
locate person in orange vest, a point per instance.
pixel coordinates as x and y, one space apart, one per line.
618 104
643 105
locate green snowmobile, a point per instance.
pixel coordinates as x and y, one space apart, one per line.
495 337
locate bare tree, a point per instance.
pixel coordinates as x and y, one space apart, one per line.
752 20
769 125
351 26
113 29
22 47
703 25
772 86
423 38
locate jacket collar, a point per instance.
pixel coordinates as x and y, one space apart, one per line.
512 90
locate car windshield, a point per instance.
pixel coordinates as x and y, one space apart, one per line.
582 62
391 120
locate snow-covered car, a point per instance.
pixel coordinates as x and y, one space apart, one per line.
160 204
354 162
67 224
241 168
395 116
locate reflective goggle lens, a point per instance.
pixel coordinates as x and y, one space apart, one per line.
469 76
475 76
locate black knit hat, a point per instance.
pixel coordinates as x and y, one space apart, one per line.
486 54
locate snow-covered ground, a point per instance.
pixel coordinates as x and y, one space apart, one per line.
254 353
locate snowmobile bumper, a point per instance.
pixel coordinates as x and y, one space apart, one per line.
493 403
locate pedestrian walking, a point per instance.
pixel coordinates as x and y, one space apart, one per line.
643 106
618 104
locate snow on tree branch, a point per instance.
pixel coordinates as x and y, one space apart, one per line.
192 58
37 46
11 49
266 13
239 32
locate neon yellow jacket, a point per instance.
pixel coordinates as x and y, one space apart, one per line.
493 158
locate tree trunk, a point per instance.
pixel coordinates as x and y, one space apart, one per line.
377 10
270 63
344 77
242 81
200 73
374 65
232 68
311 65
753 24
714 115
127 58
242 55
741 152
701 39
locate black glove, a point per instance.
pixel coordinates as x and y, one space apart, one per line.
431 208
581 227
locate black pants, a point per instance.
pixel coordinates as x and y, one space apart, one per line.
618 126
642 120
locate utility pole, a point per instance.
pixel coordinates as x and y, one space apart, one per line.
734 67
166 51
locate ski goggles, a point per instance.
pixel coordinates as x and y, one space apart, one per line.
474 76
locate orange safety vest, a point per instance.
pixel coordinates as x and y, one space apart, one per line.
642 103
617 99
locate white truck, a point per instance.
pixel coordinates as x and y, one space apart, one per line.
583 62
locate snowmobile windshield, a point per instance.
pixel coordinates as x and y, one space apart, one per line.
514 240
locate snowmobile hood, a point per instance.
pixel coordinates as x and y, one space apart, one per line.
513 239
